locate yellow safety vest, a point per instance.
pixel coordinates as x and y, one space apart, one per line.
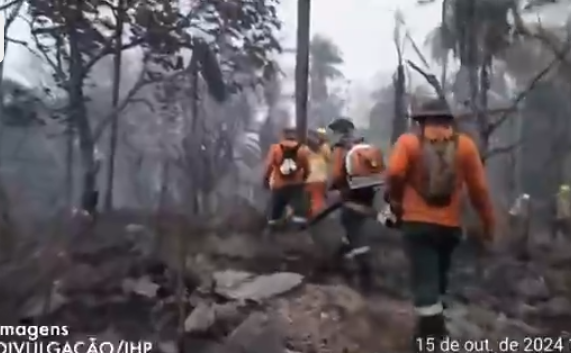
319 165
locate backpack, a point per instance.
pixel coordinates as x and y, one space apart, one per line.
364 166
438 176
288 165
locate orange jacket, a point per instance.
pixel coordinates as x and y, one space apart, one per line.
274 159
339 173
470 173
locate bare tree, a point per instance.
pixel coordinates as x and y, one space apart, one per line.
11 10
302 67
121 14
399 113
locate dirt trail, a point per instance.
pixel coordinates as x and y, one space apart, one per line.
111 282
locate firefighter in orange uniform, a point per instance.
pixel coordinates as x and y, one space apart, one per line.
426 175
286 171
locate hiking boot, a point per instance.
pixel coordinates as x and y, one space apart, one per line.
297 220
339 262
430 331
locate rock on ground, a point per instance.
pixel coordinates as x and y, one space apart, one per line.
240 285
108 283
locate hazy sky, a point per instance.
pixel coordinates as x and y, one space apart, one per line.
363 29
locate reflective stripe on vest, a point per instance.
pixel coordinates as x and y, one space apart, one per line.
357 252
430 310
360 182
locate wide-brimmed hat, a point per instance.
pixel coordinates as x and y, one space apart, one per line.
341 125
434 108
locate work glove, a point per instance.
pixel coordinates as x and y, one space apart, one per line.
388 217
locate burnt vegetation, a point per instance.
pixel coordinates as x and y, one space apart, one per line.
130 199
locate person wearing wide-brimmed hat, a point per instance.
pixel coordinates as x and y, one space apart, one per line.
341 125
343 129
426 173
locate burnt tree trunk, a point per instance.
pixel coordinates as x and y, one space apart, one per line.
399 123
78 114
482 106
302 67
115 101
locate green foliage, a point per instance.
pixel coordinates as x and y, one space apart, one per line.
245 29
325 56
488 20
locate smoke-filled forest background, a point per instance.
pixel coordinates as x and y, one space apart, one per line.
166 110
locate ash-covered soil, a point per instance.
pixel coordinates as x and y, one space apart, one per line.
273 293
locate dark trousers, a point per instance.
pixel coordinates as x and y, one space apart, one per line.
429 248
354 224
356 246
292 195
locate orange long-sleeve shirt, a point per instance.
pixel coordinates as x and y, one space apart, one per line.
274 159
470 172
